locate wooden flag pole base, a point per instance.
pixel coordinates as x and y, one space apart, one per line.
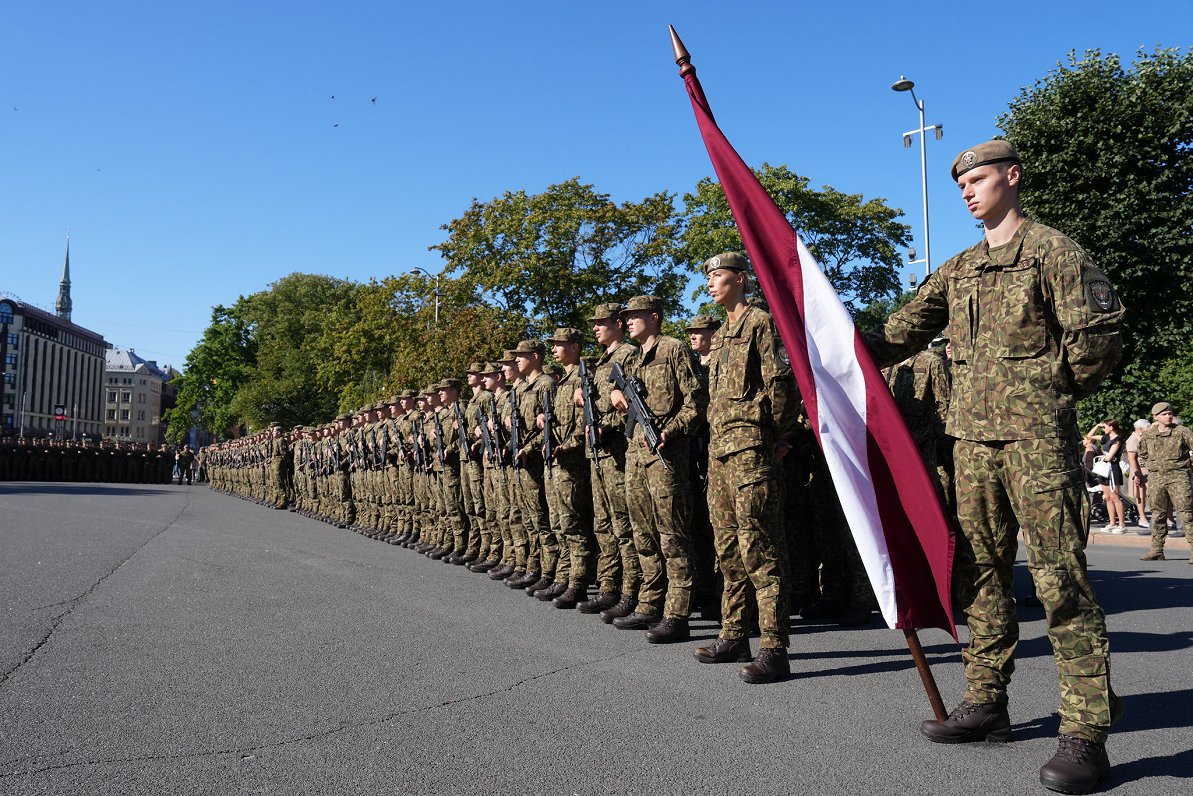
921 665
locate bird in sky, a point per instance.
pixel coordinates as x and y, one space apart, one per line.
374 102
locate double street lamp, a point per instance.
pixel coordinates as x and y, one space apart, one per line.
903 84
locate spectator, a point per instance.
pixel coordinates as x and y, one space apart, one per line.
1137 490
1113 447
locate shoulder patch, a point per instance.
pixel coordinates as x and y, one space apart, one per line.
1101 295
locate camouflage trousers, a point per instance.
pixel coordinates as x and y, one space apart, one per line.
660 509
750 545
519 542
542 549
1169 493
497 517
1036 486
617 569
572 510
452 497
479 534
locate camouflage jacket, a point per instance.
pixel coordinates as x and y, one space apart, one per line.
752 394
673 393
610 421
530 406
921 387
1166 450
569 418
1034 325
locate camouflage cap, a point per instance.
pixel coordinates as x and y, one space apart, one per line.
344 416
392 400
379 406
507 357
450 384
1163 406
275 424
432 389
703 323
644 304
476 367
566 334
985 153
492 367
603 311
530 347
554 369
407 394
728 261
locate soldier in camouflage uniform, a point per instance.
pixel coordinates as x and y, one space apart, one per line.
570 476
472 478
1164 449
658 497
618 572
752 404
706 583
1034 325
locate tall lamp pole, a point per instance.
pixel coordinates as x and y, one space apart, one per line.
903 84
429 275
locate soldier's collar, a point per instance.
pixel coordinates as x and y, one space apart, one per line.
1010 252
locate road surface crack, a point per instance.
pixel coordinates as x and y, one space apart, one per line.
74 602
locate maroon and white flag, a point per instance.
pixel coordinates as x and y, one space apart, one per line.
888 497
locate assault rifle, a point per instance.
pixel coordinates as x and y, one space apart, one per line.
515 434
420 452
548 434
487 440
465 444
588 391
639 415
439 439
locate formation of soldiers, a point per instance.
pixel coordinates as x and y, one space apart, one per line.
106 461
587 474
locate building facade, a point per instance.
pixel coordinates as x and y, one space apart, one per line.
136 392
49 364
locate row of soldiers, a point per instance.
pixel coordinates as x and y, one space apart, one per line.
595 475
105 461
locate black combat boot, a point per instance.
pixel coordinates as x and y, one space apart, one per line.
636 621
624 607
725 650
571 597
1077 767
603 600
988 722
669 631
769 665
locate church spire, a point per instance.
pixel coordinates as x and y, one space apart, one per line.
63 304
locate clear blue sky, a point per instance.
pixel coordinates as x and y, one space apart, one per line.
193 149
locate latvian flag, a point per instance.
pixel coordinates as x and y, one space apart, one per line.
888 497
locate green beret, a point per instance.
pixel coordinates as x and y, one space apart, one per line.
1163 406
729 261
993 151
604 311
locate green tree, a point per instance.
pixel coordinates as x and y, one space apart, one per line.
290 326
856 241
216 368
551 257
1108 158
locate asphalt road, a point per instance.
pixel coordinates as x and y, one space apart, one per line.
165 639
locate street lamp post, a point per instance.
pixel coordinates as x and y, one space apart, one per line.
429 275
903 84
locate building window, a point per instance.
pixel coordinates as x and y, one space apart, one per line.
7 418
10 359
111 414
124 413
10 378
126 397
111 396
12 340
141 398
9 400
141 415
5 313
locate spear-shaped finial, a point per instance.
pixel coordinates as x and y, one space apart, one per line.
682 57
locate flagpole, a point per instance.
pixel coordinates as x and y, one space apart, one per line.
684 60
921 665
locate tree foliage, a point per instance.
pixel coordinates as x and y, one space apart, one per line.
553 256
216 368
856 241
1107 159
